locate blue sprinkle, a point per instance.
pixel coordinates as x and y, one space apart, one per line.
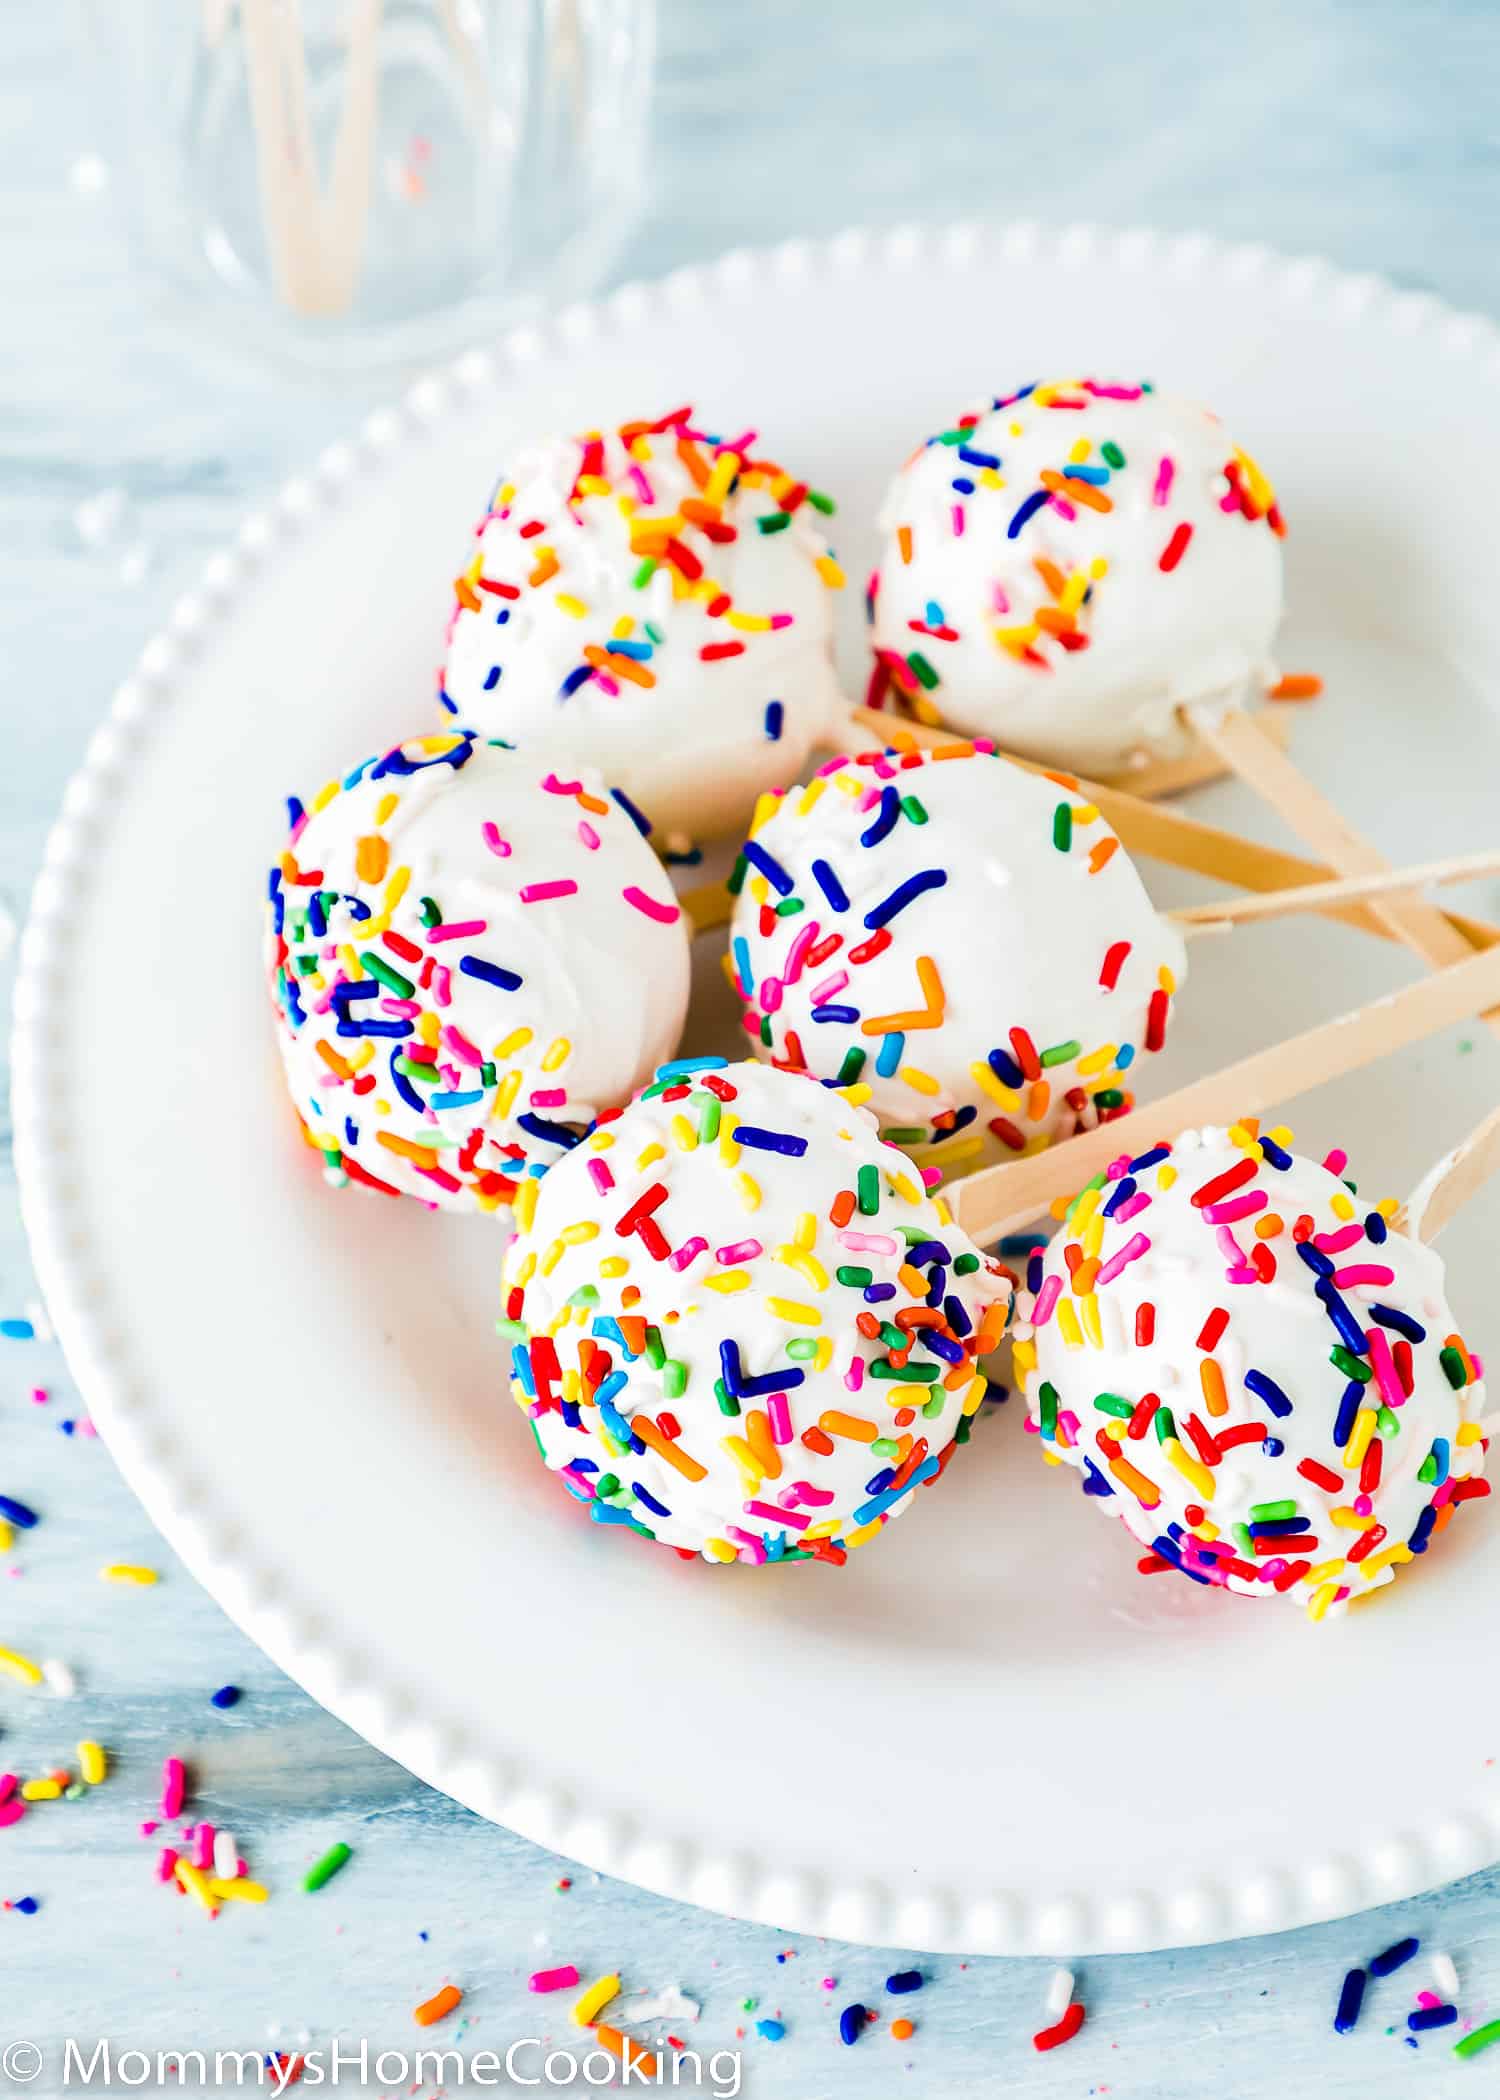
1272 1446
1274 1154
28 1907
1267 1389
492 678
226 1696
770 2030
400 1081
1005 1069
1441 1459
1350 1333
490 973
463 1100
851 2025
637 817
1394 1957
549 1133
1097 475
17 1330
742 970
905 893
1349 1406
574 680
1123 1191
1279 1527
1351 1998
18 1513
1401 1323
775 716
884 821
1315 1258
1376 1229
680 1067
771 868
847 1015
769 1140
1125 1056
1425 2016
1027 510
657 1509
830 885
903 1981
890 1053
640 652
972 458
1422 1531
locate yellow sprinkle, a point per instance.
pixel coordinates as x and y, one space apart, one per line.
524 1205
865 1531
195 1883
805 1265
91 1763
623 629
525 1268
1167 980
805 1234
516 1040
1165 1176
684 1137
1098 567
1325 1571
1348 1519
799 1315
1084 1209
1359 1439
973 1398
1023 1358
323 797
749 1190
905 1188
7 1534
920 1082
720 1550
1468 1433
1003 1096
729 1151
41 1790
1067 1324
1321 1599
1192 1469
239 1890
1093 1238
126 1571
396 889
824 1356
1391 1557
830 572
505 1095
557 1054
386 807
1088 1312
856 1095
727 1280
429 1028
810 797
566 602
1341 1205
587 2008
1098 1060
614 1265
752 1472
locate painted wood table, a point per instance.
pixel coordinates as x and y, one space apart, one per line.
128 452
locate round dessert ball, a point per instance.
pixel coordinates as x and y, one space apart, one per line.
472 956
658 600
967 939
1068 566
1254 1370
739 1325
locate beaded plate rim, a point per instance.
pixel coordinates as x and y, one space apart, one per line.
368 1694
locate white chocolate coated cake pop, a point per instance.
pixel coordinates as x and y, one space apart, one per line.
471 957
739 1325
1253 1369
1066 567
658 601
967 939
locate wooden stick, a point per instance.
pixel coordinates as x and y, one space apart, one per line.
1457 1177
347 217
1149 832
1346 889
999 1199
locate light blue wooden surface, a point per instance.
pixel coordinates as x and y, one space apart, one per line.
1365 134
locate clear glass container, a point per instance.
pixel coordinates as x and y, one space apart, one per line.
359 181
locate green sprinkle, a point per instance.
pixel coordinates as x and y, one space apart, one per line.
585 1294
1481 2038
1112 1404
674 1378
656 1350
487 1075
913 810
867 1185
1047 1409
1244 1540
932 1408
1388 1424
963 1432
966 1264
922 670
904 1134
1458 1378
903 1374
737 876
653 632
644 573
765 1030
1097 1183
892 1336
1166 1427
825 505
1109 1097
853 1065
1062 827
511 1330
607 1484
709 1110
778 521
1351 1365
803 1349
855 1279
1062 1053
1427 1471
323 1872
424 1075
430 912
789 907
885 1447
403 987
1271 1512
728 1405
1111 451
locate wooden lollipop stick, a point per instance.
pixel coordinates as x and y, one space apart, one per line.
1346 889
1443 1192
1149 832
999 1199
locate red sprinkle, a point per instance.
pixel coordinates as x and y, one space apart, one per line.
1212 1331
1114 963
1175 548
1145 1324
1156 1021
1072 2019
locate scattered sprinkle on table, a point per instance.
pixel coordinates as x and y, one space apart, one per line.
588 2007
770 2030
1351 1998
126 1571
438 2006
1482 2038
902 2030
1064 2030
904 1980
852 2024
226 1696
1394 1957
323 1870
552 1979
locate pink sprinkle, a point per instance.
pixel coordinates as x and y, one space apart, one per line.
931 1177
780 620
491 836
804 1491
867 1242
166 1863
205 1860
149 1829
442 985
1237 1207
770 995
606 684
551 785
798 950
600 1176
1363 1272
751 1548
173 1788
1046 1299
642 486
1337 1160
687 1253
854 1377
1229 1246
958 521
779 1415
1131 1207
1428 1998
1336 1242
1165 474
552 1979
1067 1423
461 1047
1363 1506
38 1396
663 914
1384 1367
588 834
773 1515
543 892
741 1250
548 1096
1242 1273
8 1785
11 1812
829 988
1063 509
1131 1251
1000 599
457 930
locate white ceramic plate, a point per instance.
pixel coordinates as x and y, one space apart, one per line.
987 1733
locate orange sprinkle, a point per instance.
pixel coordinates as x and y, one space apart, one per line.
371 858
762 1443
903 541
422 1154
466 594
835 1423
1299 685
1039 1100
1050 574
545 569
1144 1490
1269 1227
629 2052
664 1447
815 1440
332 1059
930 1017
941 751
438 2006
1063 780
902 2030
624 667
1102 853
1211 1378
1051 621
1081 492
